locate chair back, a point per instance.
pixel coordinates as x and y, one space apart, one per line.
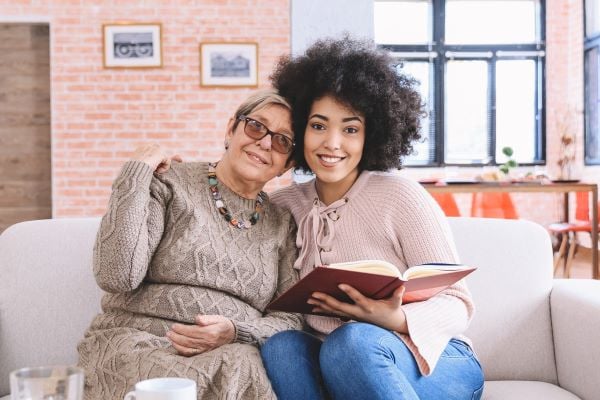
582 207
511 330
493 205
447 204
48 294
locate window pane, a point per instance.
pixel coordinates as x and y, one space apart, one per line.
515 109
592 144
490 21
420 70
402 22
592 17
466 112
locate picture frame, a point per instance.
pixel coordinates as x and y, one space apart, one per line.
229 64
132 45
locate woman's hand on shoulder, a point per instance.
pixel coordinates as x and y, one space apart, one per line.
385 313
155 156
208 333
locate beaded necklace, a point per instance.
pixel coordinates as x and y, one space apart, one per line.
242 223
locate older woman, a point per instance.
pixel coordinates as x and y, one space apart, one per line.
190 258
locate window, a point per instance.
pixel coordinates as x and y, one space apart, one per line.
592 71
482 83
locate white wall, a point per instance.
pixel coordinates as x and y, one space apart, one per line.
314 19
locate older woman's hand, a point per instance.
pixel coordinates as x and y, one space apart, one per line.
155 156
386 313
209 332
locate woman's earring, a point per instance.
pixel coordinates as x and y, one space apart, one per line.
226 144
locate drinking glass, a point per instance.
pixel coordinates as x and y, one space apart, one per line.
47 383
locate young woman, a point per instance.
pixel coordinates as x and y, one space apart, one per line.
354 117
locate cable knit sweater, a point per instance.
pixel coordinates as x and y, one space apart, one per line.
164 254
387 217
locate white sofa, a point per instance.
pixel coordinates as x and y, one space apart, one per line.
537 338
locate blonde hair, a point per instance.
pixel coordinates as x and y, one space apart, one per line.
259 100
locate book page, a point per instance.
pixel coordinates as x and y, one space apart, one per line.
369 266
420 271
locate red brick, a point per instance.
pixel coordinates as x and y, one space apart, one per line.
158 135
97 116
80 145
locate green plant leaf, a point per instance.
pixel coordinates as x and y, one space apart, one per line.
511 163
507 151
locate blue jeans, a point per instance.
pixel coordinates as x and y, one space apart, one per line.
364 361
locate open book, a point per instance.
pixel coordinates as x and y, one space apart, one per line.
373 278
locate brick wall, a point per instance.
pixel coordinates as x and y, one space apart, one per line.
100 115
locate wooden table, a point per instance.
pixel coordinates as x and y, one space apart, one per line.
562 187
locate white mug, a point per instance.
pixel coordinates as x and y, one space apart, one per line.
164 389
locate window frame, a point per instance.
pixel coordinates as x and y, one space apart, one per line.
589 43
437 51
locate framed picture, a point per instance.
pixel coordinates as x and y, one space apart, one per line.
132 45
229 64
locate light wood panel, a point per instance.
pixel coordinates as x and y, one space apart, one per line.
25 168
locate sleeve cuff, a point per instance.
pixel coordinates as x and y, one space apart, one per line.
138 170
242 333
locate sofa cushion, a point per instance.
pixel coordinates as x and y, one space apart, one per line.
524 390
511 330
575 323
48 295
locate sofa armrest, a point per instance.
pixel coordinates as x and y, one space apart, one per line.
575 309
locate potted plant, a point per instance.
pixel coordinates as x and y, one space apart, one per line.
510 162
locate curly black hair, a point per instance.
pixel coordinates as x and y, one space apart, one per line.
362 77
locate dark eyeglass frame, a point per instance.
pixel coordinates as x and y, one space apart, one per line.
264 131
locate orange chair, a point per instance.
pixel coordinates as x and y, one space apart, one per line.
447 203
493 205
568 231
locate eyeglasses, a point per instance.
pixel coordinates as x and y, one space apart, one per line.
257 130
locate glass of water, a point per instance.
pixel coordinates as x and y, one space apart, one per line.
47 383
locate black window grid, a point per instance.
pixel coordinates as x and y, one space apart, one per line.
435 53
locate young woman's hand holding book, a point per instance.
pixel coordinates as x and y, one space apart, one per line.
386 313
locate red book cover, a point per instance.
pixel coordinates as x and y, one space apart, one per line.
377 286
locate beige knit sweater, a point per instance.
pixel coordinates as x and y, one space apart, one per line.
387 217
165 255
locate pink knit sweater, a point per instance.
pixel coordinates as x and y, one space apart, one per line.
387 217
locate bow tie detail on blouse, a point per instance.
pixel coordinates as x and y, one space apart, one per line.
317 226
